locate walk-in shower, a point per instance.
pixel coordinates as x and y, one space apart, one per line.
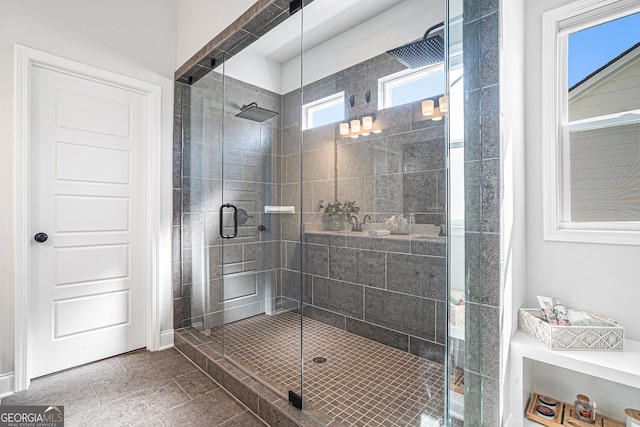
271 268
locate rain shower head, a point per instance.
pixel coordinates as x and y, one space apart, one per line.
255 113
426 51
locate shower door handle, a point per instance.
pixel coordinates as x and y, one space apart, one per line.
235 221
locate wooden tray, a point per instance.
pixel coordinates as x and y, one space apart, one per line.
457 381
532 414
564 416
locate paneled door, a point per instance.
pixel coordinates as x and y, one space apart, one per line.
87 206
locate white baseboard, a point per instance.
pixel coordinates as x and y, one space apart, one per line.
166 339
6 384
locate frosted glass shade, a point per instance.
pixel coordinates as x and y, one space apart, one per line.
367 123
444 105
427 107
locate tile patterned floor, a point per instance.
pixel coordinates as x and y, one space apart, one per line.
362 383
140 388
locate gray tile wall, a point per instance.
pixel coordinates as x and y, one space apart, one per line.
392 291
481 28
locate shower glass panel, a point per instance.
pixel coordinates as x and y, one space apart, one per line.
201 199
233 224
456 230
374 213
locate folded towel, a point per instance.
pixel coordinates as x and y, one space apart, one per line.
379 233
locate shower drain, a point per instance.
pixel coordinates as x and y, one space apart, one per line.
319 359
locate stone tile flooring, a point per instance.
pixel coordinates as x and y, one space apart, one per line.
362 383
138 389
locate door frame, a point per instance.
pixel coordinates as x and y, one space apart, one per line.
24 60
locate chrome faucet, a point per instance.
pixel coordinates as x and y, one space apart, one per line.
355 226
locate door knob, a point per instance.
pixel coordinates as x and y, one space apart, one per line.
41 237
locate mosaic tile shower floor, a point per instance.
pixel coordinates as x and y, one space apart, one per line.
362 383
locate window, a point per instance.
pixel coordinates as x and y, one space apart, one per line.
591 75
323 111
410 85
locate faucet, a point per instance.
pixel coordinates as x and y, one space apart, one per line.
355 226
364 221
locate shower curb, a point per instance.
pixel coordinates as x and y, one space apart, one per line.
267 405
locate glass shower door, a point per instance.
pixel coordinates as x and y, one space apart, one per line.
259 295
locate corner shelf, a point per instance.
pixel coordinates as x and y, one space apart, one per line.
614 367
618 366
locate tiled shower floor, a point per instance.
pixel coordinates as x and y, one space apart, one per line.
362 383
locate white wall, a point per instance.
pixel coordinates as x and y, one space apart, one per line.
137 39
512 208
595 277
399 25
199 21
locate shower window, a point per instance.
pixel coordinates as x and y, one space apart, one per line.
323 111
411 85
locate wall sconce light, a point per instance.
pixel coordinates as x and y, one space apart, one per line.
437 114
357 127
444 104
432 112
367 123
427 107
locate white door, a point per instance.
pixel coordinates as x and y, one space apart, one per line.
88 194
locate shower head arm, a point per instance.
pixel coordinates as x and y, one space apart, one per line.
426 34
253 104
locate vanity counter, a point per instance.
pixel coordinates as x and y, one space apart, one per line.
419 244
365 235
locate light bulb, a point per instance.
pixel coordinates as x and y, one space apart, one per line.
344 128
355 126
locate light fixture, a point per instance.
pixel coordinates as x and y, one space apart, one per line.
437 115
357 127
443 104
367 123
427 107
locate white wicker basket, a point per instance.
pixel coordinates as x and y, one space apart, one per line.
456 314
604 338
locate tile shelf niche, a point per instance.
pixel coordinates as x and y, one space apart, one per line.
616 372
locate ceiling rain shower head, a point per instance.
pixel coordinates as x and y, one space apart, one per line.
255 113
423 52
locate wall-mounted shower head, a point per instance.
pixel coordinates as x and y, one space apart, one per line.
423 52
255 113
